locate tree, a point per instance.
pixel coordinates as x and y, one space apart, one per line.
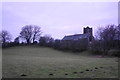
16 41
36 33
42 41
51 42
107 36
57 44
46 40
26 33
5 36
95 46
30 33
118 35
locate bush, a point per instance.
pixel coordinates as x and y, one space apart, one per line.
95 47
57 44
75 46
114 52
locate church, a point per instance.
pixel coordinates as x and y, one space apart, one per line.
78 41
87 34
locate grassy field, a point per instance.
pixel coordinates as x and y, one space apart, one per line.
37 62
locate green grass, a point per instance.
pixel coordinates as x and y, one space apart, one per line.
37 62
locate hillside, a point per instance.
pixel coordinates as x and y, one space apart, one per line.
46 62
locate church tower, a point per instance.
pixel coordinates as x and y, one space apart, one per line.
88 31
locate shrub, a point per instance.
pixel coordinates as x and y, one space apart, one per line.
95 47
114 52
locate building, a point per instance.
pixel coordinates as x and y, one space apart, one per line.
87 34
78 41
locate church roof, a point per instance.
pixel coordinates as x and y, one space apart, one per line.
75 37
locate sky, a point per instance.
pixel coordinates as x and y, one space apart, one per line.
58 18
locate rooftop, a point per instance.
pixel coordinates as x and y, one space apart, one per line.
75 37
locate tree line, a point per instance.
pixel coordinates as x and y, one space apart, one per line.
29 34
106 41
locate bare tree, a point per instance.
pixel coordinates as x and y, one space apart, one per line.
118 35
5 36
107 37
30 33
36 33
26 33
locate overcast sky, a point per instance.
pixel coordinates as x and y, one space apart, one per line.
58 18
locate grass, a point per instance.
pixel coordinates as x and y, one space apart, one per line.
38 62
